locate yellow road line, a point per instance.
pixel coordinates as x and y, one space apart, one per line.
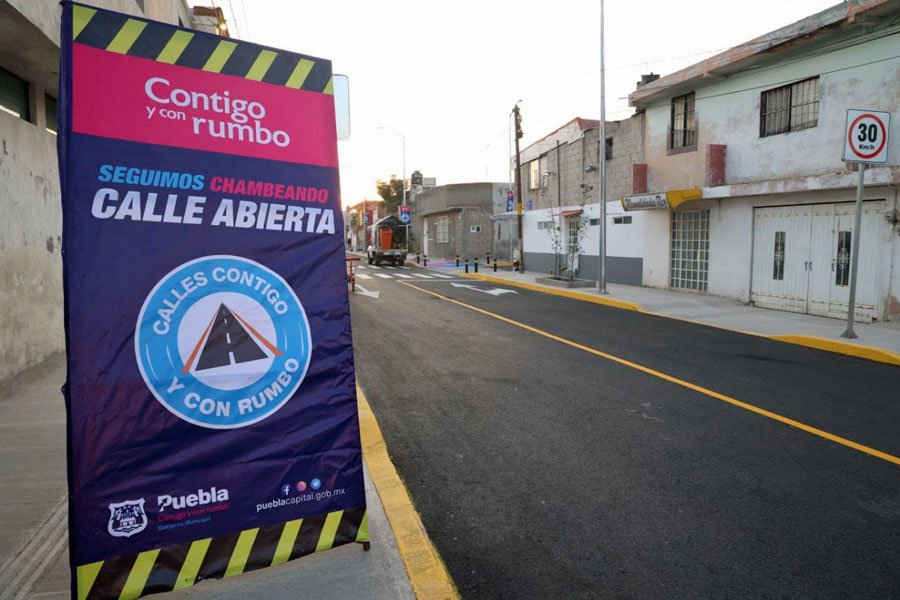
858 350
427 572
558 292
760 411
810 341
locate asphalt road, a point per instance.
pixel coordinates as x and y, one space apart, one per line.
544 470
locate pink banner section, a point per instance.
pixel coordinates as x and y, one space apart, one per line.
146 101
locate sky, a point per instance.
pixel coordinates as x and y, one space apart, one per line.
445 76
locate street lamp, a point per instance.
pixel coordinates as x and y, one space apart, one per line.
601 155
402 137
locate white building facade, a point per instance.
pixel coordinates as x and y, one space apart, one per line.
561 191
745 150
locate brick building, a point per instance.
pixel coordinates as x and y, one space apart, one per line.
561 200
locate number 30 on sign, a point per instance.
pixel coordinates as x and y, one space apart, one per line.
866 136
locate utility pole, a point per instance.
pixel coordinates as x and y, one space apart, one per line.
558 210
519 134
601 275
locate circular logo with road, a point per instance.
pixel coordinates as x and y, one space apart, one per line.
222 342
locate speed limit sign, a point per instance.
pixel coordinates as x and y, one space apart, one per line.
866 136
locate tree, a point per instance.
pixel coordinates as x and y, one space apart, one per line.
391 192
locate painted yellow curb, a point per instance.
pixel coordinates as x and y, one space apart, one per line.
558 292
809 341
427 573
867 352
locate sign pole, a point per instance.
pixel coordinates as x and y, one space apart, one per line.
854 256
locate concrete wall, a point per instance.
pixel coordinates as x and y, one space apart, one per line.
624 247
466 204
31 303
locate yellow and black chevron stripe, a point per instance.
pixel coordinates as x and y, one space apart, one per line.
120 33
183 565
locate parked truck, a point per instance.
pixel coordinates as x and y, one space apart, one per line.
388 242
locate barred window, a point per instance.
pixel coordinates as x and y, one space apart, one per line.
789 108
683 127
443 230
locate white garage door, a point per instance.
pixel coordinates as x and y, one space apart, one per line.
801 258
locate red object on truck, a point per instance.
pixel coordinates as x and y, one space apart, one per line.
384 236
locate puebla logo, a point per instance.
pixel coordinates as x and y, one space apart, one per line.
223 342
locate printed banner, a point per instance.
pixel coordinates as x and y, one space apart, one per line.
212 419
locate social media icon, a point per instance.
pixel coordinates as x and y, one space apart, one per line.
286 489
315 484
301 486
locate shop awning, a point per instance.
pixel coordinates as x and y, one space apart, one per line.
571 213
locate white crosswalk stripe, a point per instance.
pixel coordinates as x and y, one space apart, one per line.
403 276
374 267
390 267
443 276
423 276
406 267
363 276
384 275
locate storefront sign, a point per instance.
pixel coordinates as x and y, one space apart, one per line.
661 200
645 202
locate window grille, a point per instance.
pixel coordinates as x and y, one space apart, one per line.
689 268
683 127
622 220
442 227
842 261
609 148
789 108
778 267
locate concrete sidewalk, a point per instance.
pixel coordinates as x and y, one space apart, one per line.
33 517
731 314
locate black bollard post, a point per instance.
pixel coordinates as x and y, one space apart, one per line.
417 258
487 260
476 264
495 264
457 260
425 258
467 265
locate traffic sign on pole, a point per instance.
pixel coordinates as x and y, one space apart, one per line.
866 136
865 142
